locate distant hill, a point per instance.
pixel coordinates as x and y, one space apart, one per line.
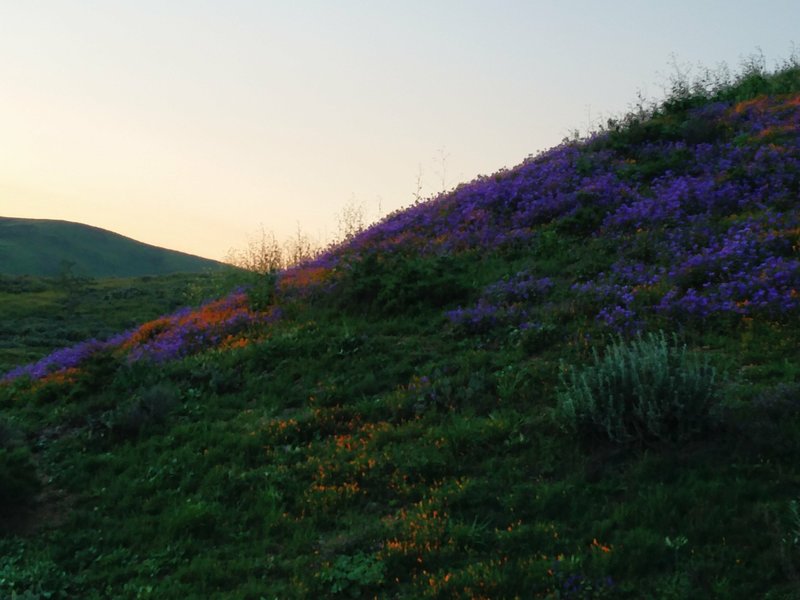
40 247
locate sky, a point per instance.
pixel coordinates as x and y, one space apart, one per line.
192 125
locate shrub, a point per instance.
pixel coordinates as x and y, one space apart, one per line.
640 392
349 574
261 290
398 283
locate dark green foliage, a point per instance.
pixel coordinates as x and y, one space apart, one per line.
539 337
10 436
26 575
768 424
260 289
642 391
792 539
241 491
583 221
19 482
150 406
400 283
18 284
755 80
349 575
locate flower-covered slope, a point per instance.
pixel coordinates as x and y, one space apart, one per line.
219 323
717 211
705 218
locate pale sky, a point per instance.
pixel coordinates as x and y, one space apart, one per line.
188 124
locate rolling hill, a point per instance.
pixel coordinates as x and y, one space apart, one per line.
40 247
575 378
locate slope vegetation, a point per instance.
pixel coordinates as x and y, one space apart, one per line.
42 247
42 314
576 378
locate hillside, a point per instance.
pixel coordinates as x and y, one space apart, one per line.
575 378
42 314
42 247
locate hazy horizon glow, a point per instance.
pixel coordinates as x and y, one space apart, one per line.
188 126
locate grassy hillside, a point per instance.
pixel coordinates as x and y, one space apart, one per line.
41 314
576 378
43 248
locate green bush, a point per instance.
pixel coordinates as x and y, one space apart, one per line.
261 290
642 391
401 283
349 574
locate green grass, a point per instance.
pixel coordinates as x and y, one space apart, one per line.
356 453
43 314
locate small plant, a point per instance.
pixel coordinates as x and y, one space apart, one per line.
640 392
28 574
261 290
571 580
675 544
349 574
